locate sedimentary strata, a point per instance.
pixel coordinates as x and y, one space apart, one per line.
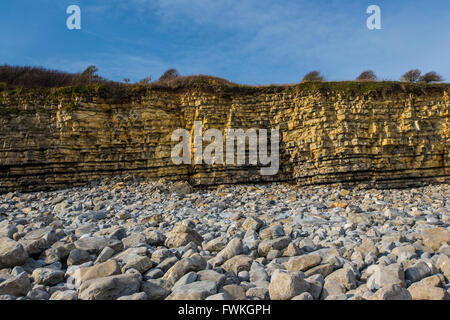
386 134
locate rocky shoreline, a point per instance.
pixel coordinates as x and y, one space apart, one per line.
125 238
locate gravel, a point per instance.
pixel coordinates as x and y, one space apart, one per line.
133 239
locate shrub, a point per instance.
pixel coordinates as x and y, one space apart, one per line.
313 76
146 80
89 75
412 75
34 77
27 76
431 77
169 75
190 81
367 75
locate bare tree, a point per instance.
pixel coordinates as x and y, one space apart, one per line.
412 75
146 80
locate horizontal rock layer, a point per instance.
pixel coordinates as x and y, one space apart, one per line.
396 135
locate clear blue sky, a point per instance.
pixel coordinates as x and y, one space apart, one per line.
245 41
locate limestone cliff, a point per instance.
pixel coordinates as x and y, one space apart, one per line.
378 133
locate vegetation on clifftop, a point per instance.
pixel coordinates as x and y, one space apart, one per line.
54 87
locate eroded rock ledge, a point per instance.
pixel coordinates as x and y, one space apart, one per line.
388 134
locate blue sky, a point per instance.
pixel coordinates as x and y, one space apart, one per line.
245 41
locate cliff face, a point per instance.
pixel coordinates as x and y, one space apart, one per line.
392 135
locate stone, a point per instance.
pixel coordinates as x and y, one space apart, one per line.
182 188
258 272
308 220
304 262
444 265
182 235
12 253
7 229
167 263
38 294
139 262
135 296
134 239
277 231
155 290
437 280
434 237
234 291
386 276
16 286
104 255
159 255
251 240
316 283
198 290
427 292
212 275
219 296
238 263
418 271
339 204
216 245
94 245
286 285
78 256
405 252
252 223
186 279
344 277
292 250
258 292
38 240
322 269
110 288
391 292
303 296
185 265
360 293
336 297
233 248
134 258
105 269
154 273
276 244
48 276
244 276
50 256
332 288
64 295
155 238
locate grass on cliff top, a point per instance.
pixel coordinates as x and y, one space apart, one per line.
117 92
216 84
